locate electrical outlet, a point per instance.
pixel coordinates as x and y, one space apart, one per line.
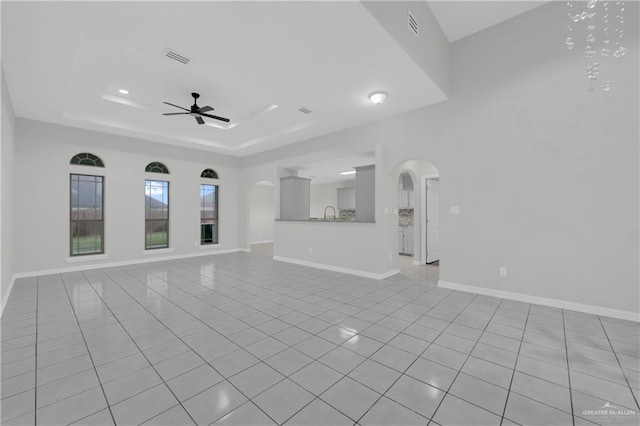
454 209
390 256
503 271
310 249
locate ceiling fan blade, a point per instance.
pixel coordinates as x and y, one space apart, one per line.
205 109
175 113
173 105
226 120
199 120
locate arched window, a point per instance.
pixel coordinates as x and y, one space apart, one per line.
86 159
156 167
209 174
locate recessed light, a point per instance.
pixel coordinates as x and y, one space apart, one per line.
350 172
378 97
124 91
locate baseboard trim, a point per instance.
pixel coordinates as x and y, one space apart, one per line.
554 303
333 268
5 297
120 263
261 242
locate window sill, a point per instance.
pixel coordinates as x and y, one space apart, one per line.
87 258
210 246
157 251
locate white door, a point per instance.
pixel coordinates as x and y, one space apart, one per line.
433 220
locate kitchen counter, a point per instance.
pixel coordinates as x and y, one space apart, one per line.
313 219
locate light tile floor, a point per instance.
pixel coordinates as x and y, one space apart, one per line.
241 339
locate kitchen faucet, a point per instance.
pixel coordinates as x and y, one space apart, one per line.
334 212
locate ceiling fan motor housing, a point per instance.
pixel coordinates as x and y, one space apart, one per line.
197 112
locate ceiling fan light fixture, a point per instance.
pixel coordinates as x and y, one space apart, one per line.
378 97
123 91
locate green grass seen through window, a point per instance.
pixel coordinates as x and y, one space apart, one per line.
157 239
87 244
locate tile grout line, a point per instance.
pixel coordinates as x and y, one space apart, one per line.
277 318
524 330
88 351
402 373
633 395
566 350
462 366
141 352
369 358
262 361
178 337
398 332
35 390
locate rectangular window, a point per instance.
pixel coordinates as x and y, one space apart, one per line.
156 202
208 214
87 215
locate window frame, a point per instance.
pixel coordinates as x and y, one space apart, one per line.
72 221
147 220
86 159
156 167
215 220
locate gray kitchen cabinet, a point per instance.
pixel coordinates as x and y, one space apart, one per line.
405 240
294 197
346 198
365 193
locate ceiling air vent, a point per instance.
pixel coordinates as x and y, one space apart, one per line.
413 24
172 54
305 110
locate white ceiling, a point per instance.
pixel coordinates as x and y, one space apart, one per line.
328 171
459 19
254 62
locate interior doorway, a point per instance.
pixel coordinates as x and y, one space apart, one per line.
261 218
417 185
405 215
432 219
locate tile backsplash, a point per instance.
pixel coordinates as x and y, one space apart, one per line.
347 214
405 217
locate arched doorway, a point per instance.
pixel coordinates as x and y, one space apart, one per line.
418 186
261 218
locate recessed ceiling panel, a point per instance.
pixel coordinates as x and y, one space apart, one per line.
257 63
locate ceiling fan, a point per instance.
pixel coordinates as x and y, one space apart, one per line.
195 111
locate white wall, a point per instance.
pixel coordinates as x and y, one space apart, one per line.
326 194
6 193
431 50
261 213
342 246
545 173
41 212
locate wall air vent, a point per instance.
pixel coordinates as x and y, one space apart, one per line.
413 24
305 110
172 54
